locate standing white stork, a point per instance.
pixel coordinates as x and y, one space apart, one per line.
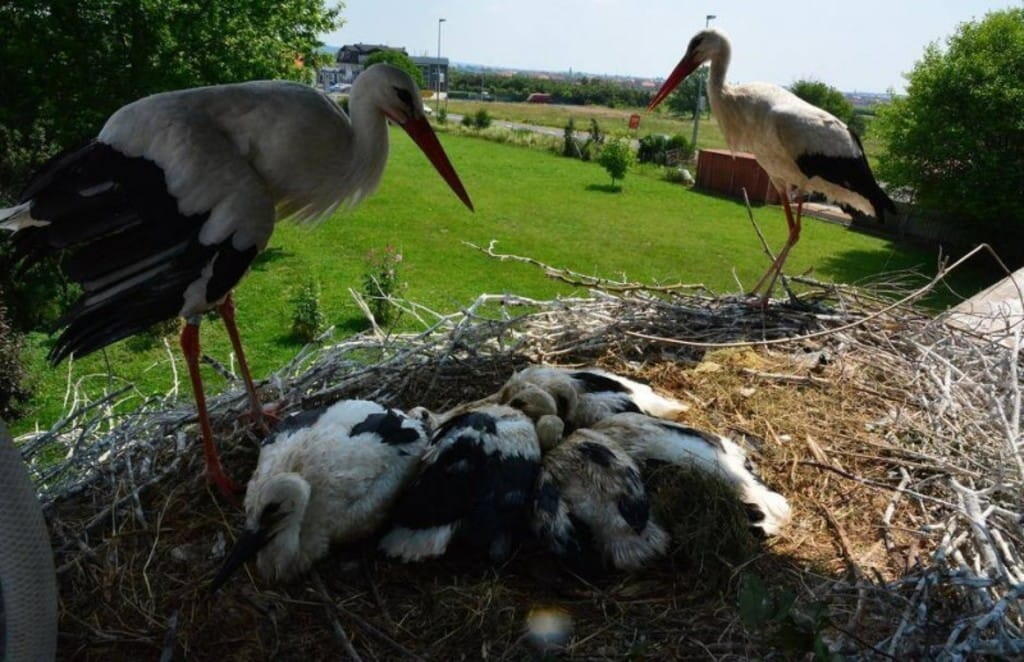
802 148
164 212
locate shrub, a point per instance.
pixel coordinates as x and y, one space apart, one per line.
596 136
956 140
616 157
482 119
442 115
678 175
308 320
467 121
569 146
380 282
14 391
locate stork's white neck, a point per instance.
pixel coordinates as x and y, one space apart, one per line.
719 67
369 153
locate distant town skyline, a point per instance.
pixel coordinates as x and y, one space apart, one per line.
865 48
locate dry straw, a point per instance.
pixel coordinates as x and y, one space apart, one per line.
896 436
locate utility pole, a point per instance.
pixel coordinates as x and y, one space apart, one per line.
700 89
437 92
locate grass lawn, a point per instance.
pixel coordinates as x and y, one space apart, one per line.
534 203
614 121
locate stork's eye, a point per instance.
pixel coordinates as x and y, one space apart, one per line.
271 512
404 96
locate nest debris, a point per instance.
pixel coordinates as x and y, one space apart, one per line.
896 437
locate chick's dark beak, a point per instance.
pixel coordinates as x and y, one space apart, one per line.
247 547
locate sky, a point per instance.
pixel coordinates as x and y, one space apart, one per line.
856 46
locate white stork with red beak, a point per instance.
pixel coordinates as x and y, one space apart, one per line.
163 213
802 148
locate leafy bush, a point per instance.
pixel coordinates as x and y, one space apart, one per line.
678 175
482 119
823 96
654 148
569 146
616 156
397 59
596 135
442 115
380 282
14 391
308 320
467 121
956 140
578 91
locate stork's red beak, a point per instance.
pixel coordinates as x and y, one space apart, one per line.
678 75
421 133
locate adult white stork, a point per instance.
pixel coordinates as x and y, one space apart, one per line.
802 148
164 212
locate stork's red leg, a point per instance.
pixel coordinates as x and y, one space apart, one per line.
227 313
214 470
794 236
776 265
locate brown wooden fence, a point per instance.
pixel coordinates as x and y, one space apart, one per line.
719 172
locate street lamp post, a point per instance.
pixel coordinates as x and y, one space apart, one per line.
437 70
696 111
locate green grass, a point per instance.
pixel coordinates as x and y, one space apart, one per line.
534 203
614 121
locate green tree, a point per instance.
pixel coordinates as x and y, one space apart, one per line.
683 102
956 140
400 60
616 156
823 96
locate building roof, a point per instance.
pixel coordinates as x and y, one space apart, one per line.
423 60
352 53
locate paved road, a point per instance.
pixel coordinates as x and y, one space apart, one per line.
536 128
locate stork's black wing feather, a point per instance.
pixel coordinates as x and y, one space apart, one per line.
124 240
850 172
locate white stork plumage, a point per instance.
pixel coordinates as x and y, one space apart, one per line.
474 487
802 148
592 508
651 441
163 213
585 396
327 475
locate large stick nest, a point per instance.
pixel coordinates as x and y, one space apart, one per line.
895 436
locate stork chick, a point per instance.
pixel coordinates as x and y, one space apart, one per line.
328 475
592 509
648 440
584 397
475 486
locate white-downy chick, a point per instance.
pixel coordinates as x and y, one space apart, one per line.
585 397
591 507
474 486
649 439
328 475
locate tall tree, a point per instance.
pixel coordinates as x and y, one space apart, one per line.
956 140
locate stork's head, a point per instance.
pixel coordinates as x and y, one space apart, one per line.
705 45
275 508
543 408
395 94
